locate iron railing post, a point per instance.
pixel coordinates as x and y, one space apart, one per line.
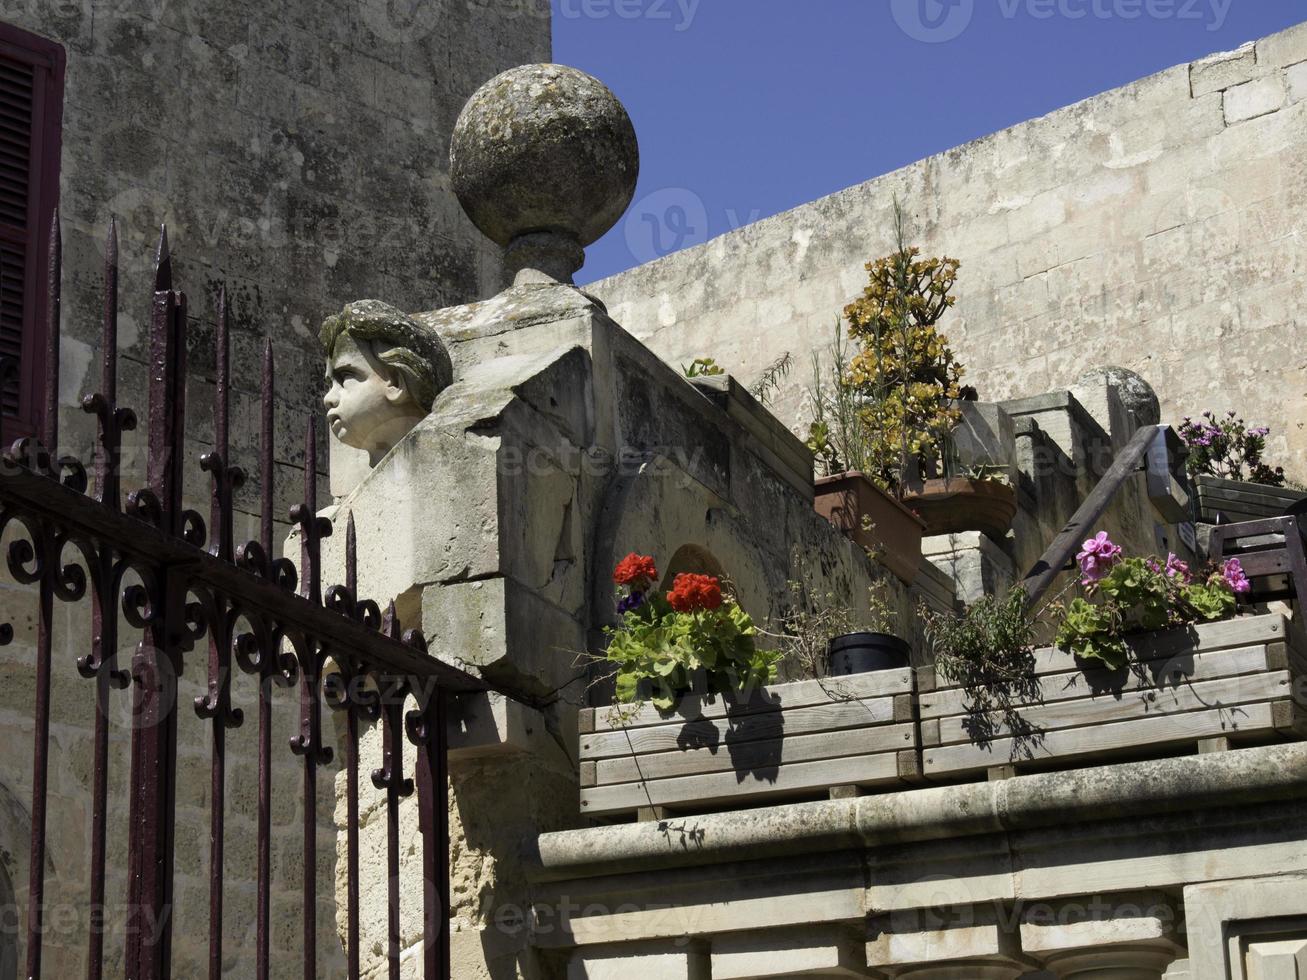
158 657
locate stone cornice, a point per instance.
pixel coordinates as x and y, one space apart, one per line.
1184 785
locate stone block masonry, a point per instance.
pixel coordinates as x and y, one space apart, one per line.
1158 227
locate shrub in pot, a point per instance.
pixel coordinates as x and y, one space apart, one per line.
852 494
988 651
890 403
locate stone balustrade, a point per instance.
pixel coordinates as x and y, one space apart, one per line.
1178 869
1133 936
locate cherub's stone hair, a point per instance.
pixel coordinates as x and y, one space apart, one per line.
415 353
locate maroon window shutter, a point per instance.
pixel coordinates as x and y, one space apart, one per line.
31 116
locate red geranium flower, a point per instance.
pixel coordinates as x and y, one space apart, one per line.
691 592
635 569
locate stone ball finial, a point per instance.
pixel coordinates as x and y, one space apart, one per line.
1136 394
544 160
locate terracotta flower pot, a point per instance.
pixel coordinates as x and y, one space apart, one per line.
951 506
850 500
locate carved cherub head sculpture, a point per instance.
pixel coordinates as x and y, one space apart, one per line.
385 371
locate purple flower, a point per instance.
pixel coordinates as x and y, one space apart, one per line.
1101 545
1098 558
1233 573
1175 568
632 602
1093 570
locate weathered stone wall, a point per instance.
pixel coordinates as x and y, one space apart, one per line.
1158 227
298 153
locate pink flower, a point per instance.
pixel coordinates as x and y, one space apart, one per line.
1098 558
1175 568
1233 573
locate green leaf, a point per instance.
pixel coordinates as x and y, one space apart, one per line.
627 684
1212 601
1087 631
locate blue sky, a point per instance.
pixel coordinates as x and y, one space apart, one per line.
745 108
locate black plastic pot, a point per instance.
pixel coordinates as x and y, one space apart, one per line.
863 653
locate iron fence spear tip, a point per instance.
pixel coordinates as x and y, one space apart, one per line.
351 557
267 369
162 263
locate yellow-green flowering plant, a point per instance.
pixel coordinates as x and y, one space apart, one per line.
890 397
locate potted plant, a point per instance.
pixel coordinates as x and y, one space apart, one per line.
746 743
851 493
907 382
1127 597
875 646
821 635
1232 481
862 653
989 652
693 638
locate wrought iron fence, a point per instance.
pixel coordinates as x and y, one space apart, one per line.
260 616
